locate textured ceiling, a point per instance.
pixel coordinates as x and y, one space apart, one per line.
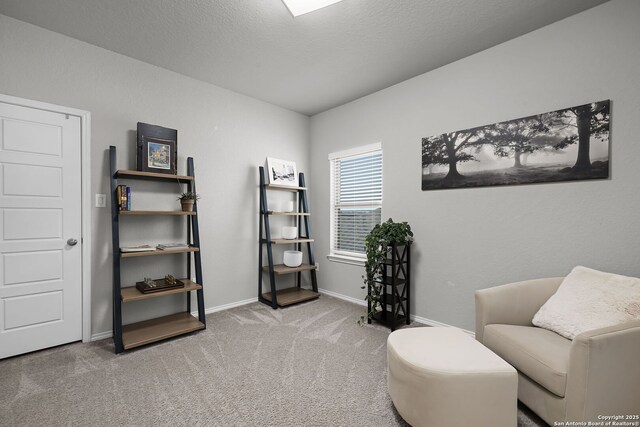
306 64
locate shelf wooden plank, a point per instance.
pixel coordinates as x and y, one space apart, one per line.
288 213
284 187
389 261
287 241
159 252
398 301
290 296
121 173
156 213
131 293
141 333
280 269
389 281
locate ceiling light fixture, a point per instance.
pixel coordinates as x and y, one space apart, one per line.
300 7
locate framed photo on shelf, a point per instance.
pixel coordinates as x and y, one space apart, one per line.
157 149
282 172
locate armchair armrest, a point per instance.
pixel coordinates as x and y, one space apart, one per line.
512 304
604 372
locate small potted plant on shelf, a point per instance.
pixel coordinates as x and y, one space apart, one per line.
187 199
377 244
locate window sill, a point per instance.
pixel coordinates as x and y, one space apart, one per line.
346 259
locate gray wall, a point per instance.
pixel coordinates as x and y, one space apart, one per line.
228 135
468 239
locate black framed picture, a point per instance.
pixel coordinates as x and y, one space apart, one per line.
570 144
157 149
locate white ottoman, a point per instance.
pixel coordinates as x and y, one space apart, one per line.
442 377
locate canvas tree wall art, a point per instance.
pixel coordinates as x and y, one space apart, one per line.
562 145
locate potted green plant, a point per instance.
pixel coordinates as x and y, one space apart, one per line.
187 199
377 244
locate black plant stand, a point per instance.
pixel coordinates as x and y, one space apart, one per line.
395 297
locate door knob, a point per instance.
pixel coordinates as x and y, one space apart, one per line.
72 242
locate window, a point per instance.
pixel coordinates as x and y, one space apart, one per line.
356 199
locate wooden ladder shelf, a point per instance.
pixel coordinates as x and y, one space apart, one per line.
133 335
284 297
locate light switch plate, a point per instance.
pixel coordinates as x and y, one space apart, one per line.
101 200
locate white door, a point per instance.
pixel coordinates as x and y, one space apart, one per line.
40 214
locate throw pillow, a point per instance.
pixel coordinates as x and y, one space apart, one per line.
589 299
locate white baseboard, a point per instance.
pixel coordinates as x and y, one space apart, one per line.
430 322
226 306
343 297
101 335
109 334
415 318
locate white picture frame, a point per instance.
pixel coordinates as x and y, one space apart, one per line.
282 172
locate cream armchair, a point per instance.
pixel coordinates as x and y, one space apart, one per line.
595 375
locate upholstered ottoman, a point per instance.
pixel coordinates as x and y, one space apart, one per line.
442 377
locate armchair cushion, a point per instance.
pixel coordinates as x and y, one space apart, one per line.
538 353
589 299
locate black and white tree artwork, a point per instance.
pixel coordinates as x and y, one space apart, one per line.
563 145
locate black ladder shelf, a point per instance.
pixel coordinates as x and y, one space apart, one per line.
133 335
284 297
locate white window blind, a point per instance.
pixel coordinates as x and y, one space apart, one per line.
356 198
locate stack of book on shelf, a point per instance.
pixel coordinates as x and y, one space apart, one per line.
124 197
169 246
141 248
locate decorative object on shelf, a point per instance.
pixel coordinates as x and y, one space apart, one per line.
275 206
187 200
382 248
563 145
289 232
124 198
166 246
282 172
157 149
141 248
289 206
292 258
158 285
